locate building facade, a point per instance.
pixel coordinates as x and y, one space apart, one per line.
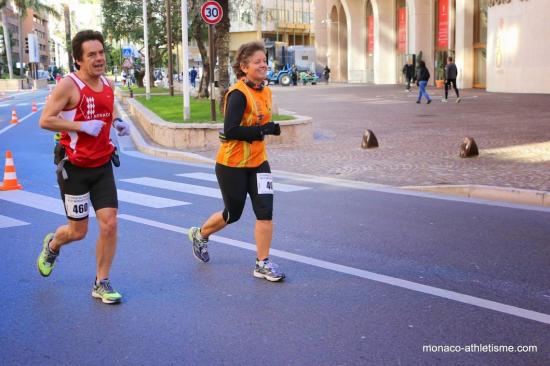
500 45
288 21
33 23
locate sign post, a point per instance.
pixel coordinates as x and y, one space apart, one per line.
212 13
185 59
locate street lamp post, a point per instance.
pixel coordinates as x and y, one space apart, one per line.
146 41
185 60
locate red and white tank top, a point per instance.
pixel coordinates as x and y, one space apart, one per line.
82 149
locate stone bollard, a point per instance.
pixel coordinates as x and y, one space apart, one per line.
369 140
468 148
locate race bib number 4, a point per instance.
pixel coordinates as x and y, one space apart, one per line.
265 183
77 206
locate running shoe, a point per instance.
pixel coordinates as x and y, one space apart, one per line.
458 100
200 244
268 270
104 291
46 259
444 100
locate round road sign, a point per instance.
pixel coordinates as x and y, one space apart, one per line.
211 12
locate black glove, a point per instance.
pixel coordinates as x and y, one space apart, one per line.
271 128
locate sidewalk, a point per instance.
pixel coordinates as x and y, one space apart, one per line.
419 144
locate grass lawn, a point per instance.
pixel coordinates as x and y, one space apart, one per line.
142 90
171 109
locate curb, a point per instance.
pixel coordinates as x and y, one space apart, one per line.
492 193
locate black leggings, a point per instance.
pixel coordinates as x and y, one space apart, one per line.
447 84
235 183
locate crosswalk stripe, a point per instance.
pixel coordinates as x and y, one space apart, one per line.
37 201
9 222
175 186
212 178
148 200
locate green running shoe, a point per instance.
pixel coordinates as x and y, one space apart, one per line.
105 292
46 259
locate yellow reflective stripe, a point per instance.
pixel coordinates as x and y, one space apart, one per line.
246 154
250 98
228 150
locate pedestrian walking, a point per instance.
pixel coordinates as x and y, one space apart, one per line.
294 74
241 163
81 108
193 76
422 77
451 72
408 73
326 73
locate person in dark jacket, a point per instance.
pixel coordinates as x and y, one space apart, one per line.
451 73
326 73
422 77
294 75
408 72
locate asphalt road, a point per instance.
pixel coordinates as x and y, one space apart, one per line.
374 275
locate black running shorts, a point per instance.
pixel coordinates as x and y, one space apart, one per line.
236 183
85 185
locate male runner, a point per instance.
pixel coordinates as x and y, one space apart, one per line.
81 108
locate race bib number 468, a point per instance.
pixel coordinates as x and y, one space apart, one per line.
265 183
77 206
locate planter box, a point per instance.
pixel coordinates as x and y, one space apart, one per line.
205 135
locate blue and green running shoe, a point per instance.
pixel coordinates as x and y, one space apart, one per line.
46 259
104 291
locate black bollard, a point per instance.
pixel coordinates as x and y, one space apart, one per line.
369 140
468 148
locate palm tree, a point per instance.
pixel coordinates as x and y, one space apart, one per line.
7 40
36 6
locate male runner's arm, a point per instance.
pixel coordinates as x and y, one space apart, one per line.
122 127
66 96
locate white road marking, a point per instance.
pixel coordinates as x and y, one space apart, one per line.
148 200
9 222
176 186
276 186
20 120
46 203
388 280
35 200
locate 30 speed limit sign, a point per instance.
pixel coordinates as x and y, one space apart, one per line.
211 12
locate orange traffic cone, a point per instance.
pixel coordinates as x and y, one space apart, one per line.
14 116
10 178
34 106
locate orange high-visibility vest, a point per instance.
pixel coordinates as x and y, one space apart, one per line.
244 154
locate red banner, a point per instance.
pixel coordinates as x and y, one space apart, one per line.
443 31
371 34
402 30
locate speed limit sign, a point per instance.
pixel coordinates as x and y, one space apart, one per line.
211 12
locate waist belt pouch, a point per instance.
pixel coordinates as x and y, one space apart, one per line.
58 153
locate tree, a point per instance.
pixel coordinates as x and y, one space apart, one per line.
36 6
122 20
7 39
